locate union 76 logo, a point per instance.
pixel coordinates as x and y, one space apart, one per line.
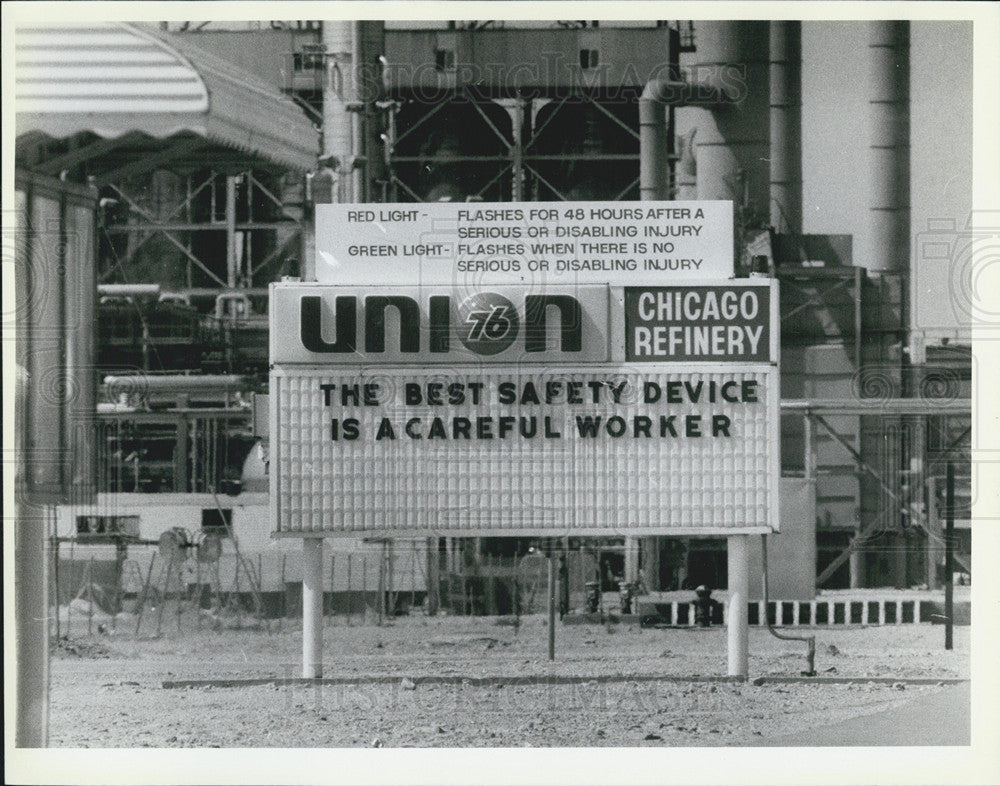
491 326
492 320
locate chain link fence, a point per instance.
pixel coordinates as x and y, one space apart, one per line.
112 584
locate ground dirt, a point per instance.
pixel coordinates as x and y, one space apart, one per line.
107 689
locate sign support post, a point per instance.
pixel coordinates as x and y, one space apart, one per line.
312 608
738 554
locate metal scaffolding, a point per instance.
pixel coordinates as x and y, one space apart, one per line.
906 475
573 146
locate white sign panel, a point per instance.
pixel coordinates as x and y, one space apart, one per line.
550 243
496 451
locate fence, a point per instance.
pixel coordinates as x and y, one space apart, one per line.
363 584
93 584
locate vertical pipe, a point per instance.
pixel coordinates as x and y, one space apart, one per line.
491 609
899 540
564 582
433 582
217 603
810 450
515 108
72 583
180 596
738 556
197 584
517 151
854 562
918 502
600 583
370 46
180 456
312 608
166 591
733 140
32 635
650 571
934 533
653 163
687 173
231 232
949 556
81 304
858 311
552 606
55 581
889 146
188 235
357 141
339 88
260 584
90 596
786 126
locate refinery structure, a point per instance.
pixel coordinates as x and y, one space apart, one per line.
181 175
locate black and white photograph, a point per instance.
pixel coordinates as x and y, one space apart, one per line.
390 398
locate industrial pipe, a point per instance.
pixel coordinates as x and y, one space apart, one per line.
733 145
175 297
31 600
809 640
129 290
369 62
232 297
786 127
687 169
889 144
229 383
339 64
654 143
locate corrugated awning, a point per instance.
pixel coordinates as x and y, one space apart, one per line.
114 80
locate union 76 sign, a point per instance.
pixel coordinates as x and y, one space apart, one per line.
430 324
591 409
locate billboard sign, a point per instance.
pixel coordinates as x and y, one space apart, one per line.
412 411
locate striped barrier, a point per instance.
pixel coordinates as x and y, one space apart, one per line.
793 613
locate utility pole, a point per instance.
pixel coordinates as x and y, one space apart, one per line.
949 556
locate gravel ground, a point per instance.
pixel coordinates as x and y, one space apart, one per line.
107 689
